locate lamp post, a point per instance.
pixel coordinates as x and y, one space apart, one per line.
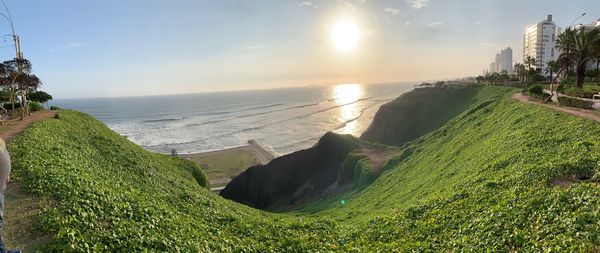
580 16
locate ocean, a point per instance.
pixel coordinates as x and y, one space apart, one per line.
284 120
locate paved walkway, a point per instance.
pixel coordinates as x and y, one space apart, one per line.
555 98
588 114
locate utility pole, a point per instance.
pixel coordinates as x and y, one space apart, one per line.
15 37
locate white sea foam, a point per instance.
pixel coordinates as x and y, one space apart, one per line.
283 119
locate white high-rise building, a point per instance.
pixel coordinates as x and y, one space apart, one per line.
539 42
506 58
502 62
588 27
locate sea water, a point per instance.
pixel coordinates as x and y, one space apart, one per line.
285 120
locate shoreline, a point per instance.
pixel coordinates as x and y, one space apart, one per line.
222 165
264 154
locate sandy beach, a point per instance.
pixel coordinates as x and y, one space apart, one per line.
222 165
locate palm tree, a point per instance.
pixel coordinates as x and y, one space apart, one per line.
520 71
584 41
529 61
595 51
551 68
565 44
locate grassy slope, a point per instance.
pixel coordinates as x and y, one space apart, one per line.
111 195
421 111
481 181
484 180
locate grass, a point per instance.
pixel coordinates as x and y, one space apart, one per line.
482 181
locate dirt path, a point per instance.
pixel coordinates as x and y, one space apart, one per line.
13 127
21 208
588 114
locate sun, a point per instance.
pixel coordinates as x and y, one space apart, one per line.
345 35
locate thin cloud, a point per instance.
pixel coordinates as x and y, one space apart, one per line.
252 47
307 4
435 24
392 11
417 4
477 23
67 46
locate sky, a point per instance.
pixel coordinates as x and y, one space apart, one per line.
107 48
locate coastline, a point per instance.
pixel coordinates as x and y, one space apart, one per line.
222 165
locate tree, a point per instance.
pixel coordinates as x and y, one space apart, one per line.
565 44
520 71
551 68
17 79
595 51
480 79
40 97
584 42
530 62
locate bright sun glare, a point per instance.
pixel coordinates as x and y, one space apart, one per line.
347 93
345 35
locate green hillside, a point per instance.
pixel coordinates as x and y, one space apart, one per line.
486 179
421 111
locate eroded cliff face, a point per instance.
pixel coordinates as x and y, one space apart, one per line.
291 178
416 113
339 162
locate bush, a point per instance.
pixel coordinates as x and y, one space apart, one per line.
54 108
542 97
581 93
9 106
200 177
35 106
574 102
536 89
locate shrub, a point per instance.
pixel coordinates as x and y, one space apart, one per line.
35 106
588 91
200 177
9 106
536 89
542 96
574 102
54 108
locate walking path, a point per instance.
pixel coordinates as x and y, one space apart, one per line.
20 208
588 114
13 127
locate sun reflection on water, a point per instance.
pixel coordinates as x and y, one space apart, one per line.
346 96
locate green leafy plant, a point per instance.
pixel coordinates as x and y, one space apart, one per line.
574 102
481 181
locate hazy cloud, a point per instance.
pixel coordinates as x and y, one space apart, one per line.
392 11
307 4
70 45
435 24
477 23
417 4
252 47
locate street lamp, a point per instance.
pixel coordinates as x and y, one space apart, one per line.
580 16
